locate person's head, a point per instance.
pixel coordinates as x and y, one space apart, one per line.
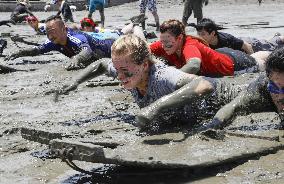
131 58
207 29
24 2
172 35
33 22
88 25
275 72
56 30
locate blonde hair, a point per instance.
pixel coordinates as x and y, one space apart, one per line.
133 46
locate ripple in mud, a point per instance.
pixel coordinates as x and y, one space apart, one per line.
43 154
127 118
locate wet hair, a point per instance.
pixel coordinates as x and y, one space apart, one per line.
208 25
275 62
132 45
174 27
53 17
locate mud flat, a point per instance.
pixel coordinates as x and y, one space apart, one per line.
101 113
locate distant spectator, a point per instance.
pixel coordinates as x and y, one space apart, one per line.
21 11
97 4
65 10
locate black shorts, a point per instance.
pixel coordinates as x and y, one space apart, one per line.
243 63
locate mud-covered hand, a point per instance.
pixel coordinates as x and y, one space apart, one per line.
64 90
214 124
206 2
74 65
12 56
146 116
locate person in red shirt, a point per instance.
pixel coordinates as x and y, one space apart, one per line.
193 55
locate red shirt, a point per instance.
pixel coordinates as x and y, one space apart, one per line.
213 63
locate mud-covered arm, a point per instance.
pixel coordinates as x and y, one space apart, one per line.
97 68
247 48
190 92
26 52
192 66
248 101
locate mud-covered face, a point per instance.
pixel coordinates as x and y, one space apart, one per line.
56 32
88 29
276 89
130 74
208 37
170 43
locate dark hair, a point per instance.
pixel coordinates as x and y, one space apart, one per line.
53 17
208 25
174 27
275 62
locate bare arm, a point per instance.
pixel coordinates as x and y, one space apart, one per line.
247 48
192 66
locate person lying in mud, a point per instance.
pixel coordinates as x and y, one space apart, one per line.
192 54
265 94
21 11
89 26
82 48
208 30
163 93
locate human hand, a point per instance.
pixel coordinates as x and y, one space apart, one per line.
74 66
215 123
11 56
145 117
64 90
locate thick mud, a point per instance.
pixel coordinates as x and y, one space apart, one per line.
102 108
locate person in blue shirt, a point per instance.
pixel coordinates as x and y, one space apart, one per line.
82 48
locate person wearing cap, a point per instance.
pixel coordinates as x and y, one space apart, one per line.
208 30
36 25
82 48
97 4
89 26
21 11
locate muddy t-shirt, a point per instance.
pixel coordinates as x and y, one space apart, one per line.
212 63
78 41
259 97
163 81
228 40
264 45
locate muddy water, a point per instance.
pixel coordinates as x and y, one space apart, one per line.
25 101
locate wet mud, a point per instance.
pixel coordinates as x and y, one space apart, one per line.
102 114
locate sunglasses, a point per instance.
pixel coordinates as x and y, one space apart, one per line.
273 88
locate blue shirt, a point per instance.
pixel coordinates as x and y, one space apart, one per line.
76 42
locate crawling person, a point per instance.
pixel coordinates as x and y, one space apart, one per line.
21 11
265 94
164 93
89 26
193 55
82 48
208 30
